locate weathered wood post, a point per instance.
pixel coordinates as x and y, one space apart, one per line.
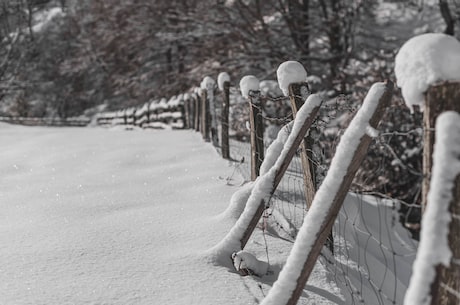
438 98
286 160
205 128
125 117
223 81
225 121
257 133
197 101
298 93
186 108
249 86
209 85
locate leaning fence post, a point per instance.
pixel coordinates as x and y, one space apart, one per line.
223 81
440 97
298 92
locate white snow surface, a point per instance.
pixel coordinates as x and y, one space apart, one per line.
221 79
290 72
423 61
322 202
434 246
97 216
249 83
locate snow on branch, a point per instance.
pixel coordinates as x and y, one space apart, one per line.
434 245
424 60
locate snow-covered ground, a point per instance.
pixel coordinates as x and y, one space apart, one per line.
97 216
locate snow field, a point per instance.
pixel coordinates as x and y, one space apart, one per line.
92 216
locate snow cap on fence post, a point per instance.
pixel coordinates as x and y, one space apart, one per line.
424 60
221 79
208 83
249 83
290 72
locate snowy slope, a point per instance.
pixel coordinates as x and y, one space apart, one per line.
93 216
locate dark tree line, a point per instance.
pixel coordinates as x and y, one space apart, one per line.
125 52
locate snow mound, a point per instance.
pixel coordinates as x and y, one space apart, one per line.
247 264
290 72
424 60
249 83
221 79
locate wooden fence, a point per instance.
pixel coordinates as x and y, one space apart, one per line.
193 110
71 122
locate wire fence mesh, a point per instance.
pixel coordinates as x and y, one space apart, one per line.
372 250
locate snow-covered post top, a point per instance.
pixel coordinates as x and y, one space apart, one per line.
208 83
249 83
221 79
290 72
424 60
250 89
428 71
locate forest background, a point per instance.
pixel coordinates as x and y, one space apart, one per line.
69 58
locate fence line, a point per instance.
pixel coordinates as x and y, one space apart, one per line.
72 122
373 242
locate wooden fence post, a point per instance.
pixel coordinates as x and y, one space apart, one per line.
298 92
324 230
205 116
257 133
197 112
191 112
438 98
224 127
186 112
212 115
